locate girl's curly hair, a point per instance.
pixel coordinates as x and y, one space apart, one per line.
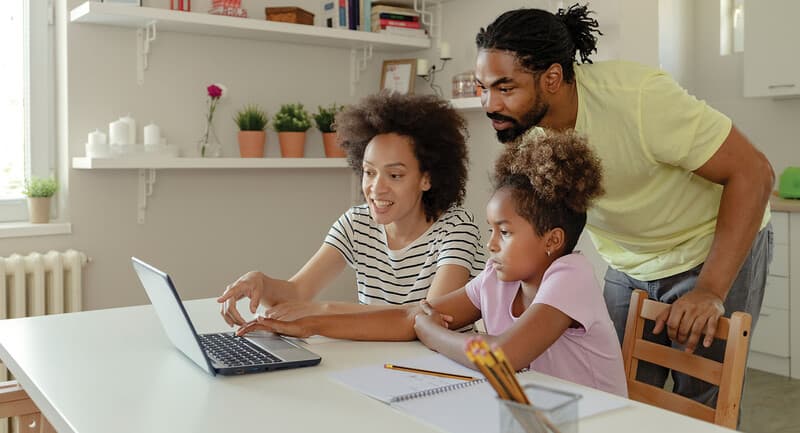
437 132
554 177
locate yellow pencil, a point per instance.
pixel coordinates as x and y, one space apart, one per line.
428 372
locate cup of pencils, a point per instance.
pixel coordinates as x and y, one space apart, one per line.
528 409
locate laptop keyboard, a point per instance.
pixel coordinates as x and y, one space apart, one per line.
234 351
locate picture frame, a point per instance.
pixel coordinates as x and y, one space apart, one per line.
398 75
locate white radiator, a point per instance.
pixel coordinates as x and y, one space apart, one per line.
38 284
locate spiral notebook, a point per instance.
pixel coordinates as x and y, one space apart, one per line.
450 404
390 386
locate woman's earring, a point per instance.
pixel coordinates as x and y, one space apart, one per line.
548 253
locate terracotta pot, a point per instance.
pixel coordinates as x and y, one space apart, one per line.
332 148
293 144
251 144
39 210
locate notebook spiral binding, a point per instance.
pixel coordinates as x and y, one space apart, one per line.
437 390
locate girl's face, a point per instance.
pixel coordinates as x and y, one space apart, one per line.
392 182
517 252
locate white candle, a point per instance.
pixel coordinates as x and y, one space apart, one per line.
97 138
422 67
152 135
118 133
444 50
131 128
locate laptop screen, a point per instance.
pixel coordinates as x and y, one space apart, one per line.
170 311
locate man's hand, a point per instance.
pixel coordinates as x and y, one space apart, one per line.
690 316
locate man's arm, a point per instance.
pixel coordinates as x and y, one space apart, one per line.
747 179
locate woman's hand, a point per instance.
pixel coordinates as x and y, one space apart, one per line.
293 310
292 328
249 285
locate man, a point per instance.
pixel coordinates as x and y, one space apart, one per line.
684 212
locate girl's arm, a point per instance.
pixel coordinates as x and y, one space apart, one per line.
536 330
455 306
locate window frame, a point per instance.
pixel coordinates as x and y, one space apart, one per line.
38 100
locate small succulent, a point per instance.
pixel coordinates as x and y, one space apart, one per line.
291 118
40 187
251 118
325 116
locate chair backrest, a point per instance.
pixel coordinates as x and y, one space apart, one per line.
728 375
15 403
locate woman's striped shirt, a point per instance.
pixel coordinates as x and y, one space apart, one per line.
385 276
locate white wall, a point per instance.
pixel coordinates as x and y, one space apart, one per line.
769 123
675 39
206 227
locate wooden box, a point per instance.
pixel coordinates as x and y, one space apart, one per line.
290 15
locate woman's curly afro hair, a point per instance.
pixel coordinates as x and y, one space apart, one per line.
554 177
437 132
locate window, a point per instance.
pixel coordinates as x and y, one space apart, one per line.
731 27
27 101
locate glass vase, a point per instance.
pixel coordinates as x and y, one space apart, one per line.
209 146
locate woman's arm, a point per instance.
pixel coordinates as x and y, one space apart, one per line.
317 273
387 324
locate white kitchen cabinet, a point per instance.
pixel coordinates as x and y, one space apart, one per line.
775 344
771 67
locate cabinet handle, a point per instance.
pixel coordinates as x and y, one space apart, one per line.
762 314
780 86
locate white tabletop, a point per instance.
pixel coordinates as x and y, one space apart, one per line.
115 370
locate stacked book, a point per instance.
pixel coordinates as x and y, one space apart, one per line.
396 20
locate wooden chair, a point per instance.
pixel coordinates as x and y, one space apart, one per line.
728 375
15 402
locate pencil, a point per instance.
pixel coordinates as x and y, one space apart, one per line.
428 372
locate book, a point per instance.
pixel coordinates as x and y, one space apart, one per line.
379 24
402 31
395 16
380 8
455 405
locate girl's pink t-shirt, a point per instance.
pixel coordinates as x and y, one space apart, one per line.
589 355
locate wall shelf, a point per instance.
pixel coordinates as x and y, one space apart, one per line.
147 169
111 14
467 104
83 163
147 21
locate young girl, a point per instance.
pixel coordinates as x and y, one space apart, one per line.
410 241
539 300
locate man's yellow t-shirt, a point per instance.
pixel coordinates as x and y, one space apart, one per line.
657 218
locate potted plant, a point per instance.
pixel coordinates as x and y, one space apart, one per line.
291 122
324 119
251 120
39 190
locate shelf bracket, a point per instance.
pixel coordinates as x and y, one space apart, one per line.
147 178
358 64
144 36
427 17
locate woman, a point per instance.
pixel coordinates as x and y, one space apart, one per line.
410 241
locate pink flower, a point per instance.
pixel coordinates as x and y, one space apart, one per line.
214 91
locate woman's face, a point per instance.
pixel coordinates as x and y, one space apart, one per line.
392 181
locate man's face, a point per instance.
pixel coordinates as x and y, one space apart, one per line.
510 95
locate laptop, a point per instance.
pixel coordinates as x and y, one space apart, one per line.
220 353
